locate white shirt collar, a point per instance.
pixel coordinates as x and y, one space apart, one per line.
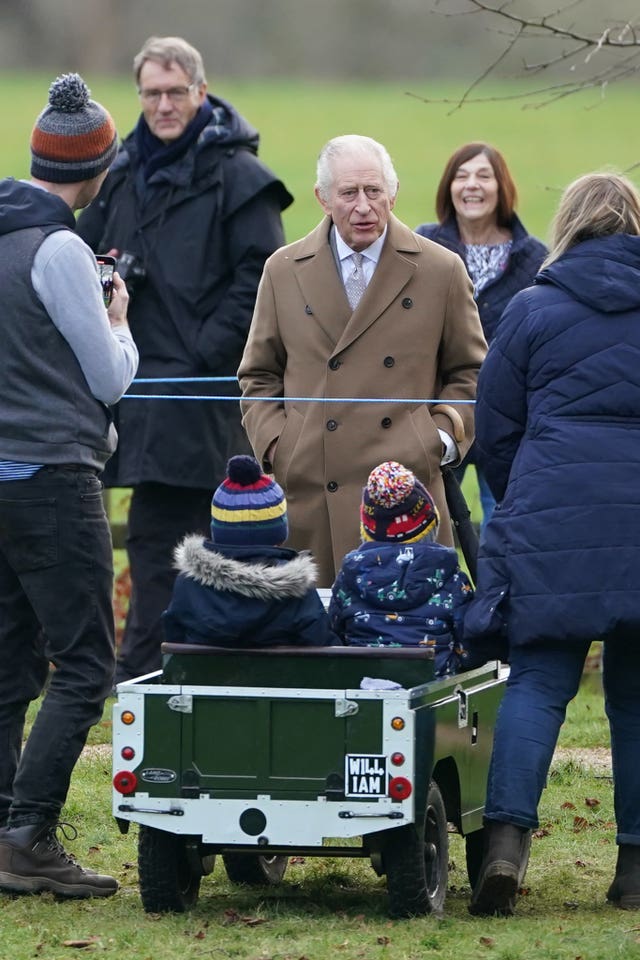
371 253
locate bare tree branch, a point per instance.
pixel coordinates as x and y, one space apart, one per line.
596 56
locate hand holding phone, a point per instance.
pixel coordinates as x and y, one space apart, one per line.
106 266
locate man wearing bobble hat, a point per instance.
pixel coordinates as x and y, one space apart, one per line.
65 359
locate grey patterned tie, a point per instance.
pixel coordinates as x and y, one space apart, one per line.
355 284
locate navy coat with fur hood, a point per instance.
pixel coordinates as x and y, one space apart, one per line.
558 435
245 596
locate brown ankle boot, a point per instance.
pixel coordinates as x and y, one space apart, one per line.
32 859
624 892
500 874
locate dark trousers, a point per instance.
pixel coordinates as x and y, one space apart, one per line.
159 517
56 583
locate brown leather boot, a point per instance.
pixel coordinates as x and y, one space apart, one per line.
624 892
32 859
500 874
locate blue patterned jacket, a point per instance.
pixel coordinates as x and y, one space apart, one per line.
390 594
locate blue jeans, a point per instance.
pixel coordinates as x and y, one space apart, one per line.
56 582
542 681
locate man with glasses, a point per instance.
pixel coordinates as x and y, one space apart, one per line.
191 213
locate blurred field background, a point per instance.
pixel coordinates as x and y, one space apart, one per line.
545 148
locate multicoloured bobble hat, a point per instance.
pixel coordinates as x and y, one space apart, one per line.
248 507
396 507
74 138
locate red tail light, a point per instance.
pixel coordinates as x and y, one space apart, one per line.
400 788
125 782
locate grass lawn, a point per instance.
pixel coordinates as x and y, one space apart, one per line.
327 907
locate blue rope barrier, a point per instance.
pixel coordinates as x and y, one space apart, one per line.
171 396
185 380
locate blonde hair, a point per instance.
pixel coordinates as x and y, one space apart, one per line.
594 205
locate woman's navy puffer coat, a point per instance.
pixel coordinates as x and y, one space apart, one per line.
558 435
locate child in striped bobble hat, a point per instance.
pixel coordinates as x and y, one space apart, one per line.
242 588
399 587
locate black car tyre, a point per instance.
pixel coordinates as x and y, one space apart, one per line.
167 880
417 862
254 869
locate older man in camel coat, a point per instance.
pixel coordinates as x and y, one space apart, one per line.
414 336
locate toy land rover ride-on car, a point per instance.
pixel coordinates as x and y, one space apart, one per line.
259 755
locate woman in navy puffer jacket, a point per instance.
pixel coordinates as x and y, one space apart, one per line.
475 206
558 434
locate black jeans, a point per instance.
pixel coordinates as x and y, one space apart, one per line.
159 517
56 583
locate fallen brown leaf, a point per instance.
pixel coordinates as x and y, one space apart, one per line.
579 823
87 942
592 801
567 805
383 941
487 941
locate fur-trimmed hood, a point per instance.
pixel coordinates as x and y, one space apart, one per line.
265 573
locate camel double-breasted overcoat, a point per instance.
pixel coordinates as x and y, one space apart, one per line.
415 336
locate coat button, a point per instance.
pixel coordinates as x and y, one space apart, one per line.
332 425
332 486
334 363
386 422
407 303
388 361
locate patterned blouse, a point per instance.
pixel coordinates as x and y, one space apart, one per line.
485 262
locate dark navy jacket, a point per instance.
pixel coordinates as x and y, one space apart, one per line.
241 596
393 594
203 231
527 253
558 436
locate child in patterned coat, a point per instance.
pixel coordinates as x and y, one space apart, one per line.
399 587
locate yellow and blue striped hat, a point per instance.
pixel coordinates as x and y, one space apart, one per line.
248 507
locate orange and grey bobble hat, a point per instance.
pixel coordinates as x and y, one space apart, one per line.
74 138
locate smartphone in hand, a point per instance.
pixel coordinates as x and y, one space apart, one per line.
106 266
